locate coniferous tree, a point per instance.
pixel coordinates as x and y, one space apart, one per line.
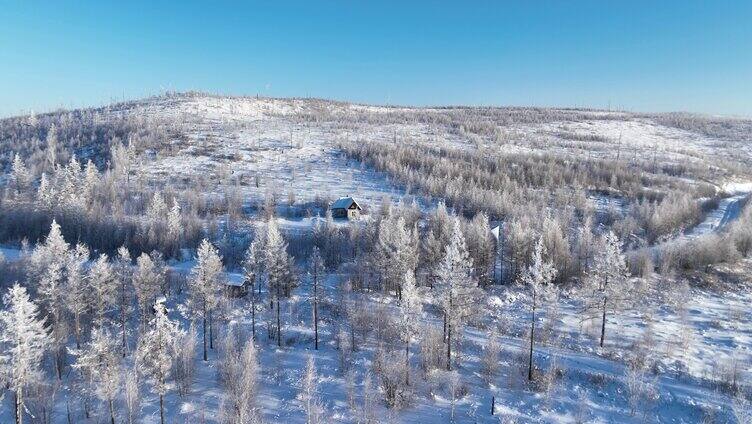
457 289
78 292
536 277
147 281
606 283
104 287
411 309
309 394
124 275
100 362
317 273
155 353
205 288
252 271
278 266
24 340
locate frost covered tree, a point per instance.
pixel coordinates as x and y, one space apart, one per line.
252 271
78 291
24 340
175 223
45 193
242 371
47 267
317 272
131 396
147 281
19 175
123 274
155 354
184 351
457 290
91 180
100 361
104 288
605 287
410 310
396 250
51 149
480 246
537 277
309 394
205 288
157 208
278 266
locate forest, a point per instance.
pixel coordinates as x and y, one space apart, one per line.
173 259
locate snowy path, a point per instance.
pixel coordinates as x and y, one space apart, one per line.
727 211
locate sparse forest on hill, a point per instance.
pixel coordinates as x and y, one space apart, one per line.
174 259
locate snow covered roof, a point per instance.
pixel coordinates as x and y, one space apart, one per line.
344 203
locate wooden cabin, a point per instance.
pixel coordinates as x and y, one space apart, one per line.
345 207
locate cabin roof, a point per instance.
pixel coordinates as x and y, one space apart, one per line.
344 203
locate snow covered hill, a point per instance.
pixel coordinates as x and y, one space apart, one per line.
618 289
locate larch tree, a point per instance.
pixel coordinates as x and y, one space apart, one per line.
123 274
606 283
51 148
316 271
104 287
252 272
309 394
45 193
47 267
24 340
78 292
91 180
536 277
147 281
205 288
278 266
396 250
457 290
410 311
242 386
155 354
100 361
19 176
175 223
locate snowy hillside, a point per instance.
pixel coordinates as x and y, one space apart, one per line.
172 260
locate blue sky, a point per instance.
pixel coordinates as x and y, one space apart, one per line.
645 56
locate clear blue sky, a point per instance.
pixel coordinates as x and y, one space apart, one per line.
648 56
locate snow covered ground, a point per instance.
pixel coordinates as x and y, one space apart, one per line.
265 146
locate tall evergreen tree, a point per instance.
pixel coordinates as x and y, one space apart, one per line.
458 291
537 277
24 340
205 288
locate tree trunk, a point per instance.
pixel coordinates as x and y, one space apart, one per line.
77 328
253 314
122 325
445 326
407 362
603 323
161 409
449 345
204 326
211 331
112 412
532 338
279 326
19 406
59 363
315 323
